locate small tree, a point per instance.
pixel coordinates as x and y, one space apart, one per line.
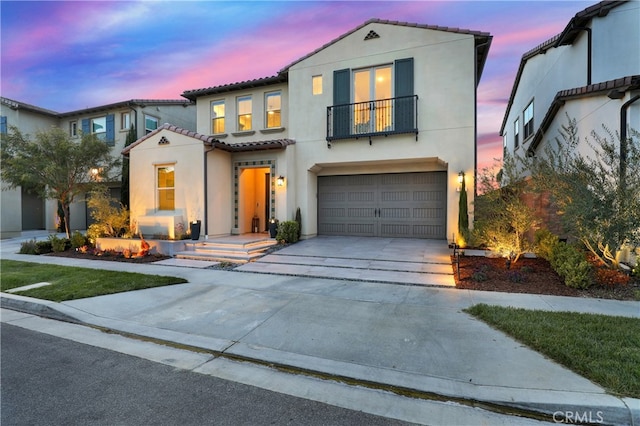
54 166
502 218
463 214
111 218
597 204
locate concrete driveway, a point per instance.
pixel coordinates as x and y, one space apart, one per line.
390 260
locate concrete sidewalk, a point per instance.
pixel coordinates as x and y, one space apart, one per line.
394 337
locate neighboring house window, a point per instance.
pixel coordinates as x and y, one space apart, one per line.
504 145
102 127
166 188
244 113
217 117
316 84
125 121
528 121
73 129
3 125
150 124
273 106
516 133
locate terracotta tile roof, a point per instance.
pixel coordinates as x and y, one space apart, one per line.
566 37
483 40
21 105
247 84
129 103
599 89
212 141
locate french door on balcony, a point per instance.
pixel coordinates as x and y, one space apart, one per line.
372 106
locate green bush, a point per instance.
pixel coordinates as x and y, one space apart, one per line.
636 270
43 247
288 231
78 240
545 241
298 219
572 266
29 247
58 244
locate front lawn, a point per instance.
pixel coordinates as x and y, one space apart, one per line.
604 349
70 283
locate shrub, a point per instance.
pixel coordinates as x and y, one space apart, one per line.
111 217
516 277
288 231
298 219
611 277
29 247
58 244
527 269
479 276
572 265
78 240
636 270
43 247
545 240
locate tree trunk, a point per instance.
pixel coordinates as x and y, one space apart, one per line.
67 216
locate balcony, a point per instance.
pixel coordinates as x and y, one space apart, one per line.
382 117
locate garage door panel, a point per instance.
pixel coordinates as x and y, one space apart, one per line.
401 205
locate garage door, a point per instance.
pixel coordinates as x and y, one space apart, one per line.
407 205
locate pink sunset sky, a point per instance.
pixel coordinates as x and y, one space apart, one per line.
69 55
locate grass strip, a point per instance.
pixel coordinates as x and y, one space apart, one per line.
604 349
69 283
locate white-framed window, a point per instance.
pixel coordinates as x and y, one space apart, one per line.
125 120
528 121
217 117
150 123
316 85
244 113
99 127
273 108
516 133
73 129
165 187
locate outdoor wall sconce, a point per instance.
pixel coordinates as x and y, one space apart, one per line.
280 181
460 180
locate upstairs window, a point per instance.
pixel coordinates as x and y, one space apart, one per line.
166 187
103 127
316 85
73 129
150 124
528 121
244 113
99 127
217 117
273 107
516 133
125 121
372 97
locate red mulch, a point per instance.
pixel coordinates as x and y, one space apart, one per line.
533 276
113 257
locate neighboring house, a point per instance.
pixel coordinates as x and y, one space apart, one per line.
367 135
590 72
23 211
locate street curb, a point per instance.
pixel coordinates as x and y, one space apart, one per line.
538 404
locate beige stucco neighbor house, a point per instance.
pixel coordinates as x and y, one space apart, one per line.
367 135
23 211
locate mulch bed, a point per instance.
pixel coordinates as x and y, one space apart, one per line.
533 276
112 257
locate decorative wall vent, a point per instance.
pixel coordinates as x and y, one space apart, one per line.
163 141
372 34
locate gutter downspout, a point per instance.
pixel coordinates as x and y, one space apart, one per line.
623 139
206 192
589 46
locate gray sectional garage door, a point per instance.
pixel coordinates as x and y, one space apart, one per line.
406 205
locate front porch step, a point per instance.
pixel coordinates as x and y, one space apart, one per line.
227 250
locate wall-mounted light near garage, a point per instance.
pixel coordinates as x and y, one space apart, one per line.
460 180
280 180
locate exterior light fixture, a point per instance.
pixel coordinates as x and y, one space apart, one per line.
460 181
280 181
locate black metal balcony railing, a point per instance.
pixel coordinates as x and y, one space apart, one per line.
382 117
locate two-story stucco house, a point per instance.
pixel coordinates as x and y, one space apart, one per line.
589 72
367 136
111 123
